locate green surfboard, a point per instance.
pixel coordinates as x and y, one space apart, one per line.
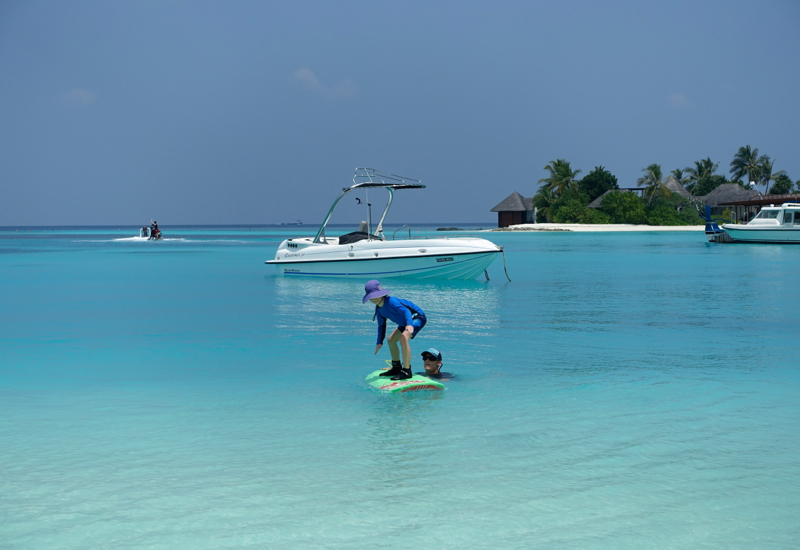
416 382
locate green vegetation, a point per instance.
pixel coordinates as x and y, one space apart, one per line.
624 208
674 210
702 178
680 177
563 198
597 182
562 177
782 184
543 200
653 183
745 162
574 209
759 170
665 209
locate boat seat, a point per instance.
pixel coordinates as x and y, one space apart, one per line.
355 236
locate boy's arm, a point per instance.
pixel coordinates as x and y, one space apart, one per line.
381 329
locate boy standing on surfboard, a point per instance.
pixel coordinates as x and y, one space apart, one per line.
409 318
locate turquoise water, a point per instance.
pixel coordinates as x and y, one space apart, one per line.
626 390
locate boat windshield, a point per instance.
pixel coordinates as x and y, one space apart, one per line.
768 214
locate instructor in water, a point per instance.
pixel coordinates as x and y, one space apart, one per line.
409 318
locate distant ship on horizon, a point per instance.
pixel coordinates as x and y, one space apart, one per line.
298 222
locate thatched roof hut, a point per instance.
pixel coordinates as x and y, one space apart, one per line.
675 186
514 209
728 193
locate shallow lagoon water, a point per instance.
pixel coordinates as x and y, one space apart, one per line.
626 390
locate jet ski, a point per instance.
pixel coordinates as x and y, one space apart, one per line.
150 234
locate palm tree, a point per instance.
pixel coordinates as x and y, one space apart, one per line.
765 175
562 177
678 175
653 179
703 169
746 161
783 184
543 200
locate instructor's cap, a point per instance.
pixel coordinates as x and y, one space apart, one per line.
373 290
432 352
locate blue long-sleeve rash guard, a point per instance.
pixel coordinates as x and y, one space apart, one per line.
395 309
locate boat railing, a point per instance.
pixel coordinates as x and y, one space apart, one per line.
461 236
428 237
401 227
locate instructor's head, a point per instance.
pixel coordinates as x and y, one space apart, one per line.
374 292
432 360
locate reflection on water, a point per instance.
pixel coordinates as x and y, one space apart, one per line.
333 305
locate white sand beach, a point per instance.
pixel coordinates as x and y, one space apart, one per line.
598 227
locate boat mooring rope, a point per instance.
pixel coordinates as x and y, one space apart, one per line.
504 263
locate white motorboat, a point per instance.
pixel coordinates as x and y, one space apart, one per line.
774 224
368 253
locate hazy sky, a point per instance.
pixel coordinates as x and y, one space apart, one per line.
116 112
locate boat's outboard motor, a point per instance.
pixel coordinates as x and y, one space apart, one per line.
713 231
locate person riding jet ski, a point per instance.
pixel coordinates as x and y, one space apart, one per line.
155 232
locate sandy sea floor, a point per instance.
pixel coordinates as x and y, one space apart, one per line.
628 391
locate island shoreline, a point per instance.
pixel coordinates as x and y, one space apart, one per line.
586 227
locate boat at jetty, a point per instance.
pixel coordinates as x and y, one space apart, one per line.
773 224
367 252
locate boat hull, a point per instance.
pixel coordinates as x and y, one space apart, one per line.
775 235
466 266
461 258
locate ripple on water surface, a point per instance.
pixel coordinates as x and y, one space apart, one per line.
624 391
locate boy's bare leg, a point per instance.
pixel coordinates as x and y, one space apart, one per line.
404 338
393 349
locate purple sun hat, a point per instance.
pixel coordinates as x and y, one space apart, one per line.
373 290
